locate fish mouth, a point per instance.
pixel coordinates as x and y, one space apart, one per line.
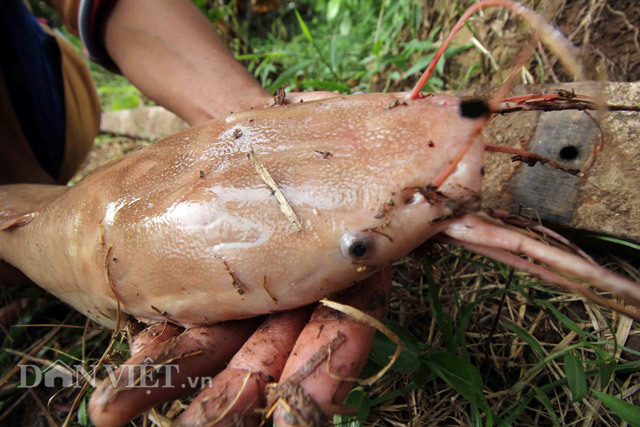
461 207
413 196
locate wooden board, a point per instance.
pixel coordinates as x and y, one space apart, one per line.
609 203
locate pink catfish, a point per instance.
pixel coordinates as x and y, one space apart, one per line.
272 209
188 230
268 210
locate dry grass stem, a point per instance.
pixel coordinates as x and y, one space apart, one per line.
373 322
285 207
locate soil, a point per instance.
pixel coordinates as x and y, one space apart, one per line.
606 33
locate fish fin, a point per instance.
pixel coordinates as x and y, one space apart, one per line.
9 220
21 203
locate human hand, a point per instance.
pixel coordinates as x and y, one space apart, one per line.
184 356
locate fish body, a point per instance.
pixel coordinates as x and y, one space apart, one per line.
187 230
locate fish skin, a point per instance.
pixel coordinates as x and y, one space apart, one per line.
186 230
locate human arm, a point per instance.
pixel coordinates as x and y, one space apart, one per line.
172 53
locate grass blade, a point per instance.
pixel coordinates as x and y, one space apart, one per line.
383 348
575 376
307 34
570 324
544 399
303 27
288 75
525 336
625 410
606 366
459 374
332 9
618 241
326 85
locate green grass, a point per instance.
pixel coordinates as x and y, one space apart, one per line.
345 46
580 371
341 45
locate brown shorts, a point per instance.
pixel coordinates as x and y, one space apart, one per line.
50 92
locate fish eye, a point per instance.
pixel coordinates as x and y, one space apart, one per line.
356 246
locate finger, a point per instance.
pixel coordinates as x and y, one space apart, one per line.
306 391
154 334
236 392
166 370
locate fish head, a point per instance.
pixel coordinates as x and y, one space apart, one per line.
416 162
358 175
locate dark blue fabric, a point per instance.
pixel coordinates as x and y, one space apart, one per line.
30 60
90 11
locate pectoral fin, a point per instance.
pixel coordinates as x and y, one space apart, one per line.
21 203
